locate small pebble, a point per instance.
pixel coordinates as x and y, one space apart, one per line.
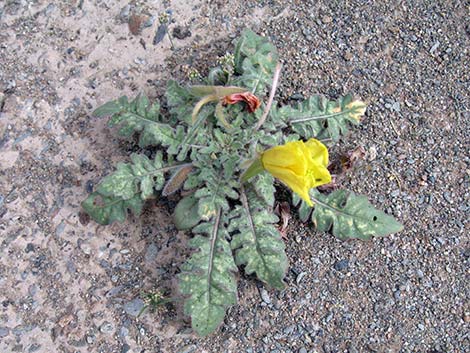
299 277
29 248
434 47
4 331
265 296
106 327
123 332
341 265
134 307
125 348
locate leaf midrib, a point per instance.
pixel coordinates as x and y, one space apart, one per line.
320 117
252 225
338 211
211 260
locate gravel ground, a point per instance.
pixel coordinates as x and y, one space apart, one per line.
69 285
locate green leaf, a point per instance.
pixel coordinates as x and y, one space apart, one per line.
211 198
106 210
120 184
140 177
196 133
304 211
186 214
214 194
143 117
162 134
257 242
120 190
180 101
321 118
112 107
207 278
255 61
350 216
263 184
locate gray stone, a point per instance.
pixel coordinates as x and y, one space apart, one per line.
265 296
125 348
21 329
107 327
341 265
123 332
34 347
289 329
151 253
60 228
188 349
4 331
434 47
299 277
114 291
134 307
29 248
124 13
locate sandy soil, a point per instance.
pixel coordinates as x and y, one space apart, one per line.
69 285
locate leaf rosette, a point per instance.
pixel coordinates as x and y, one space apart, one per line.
223 143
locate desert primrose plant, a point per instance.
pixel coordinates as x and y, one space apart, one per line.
223 143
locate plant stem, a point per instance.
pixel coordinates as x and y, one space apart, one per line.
199 105
171 40
277 72
254 169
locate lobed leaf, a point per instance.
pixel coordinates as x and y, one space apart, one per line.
255 62
112 107
351 216
180 101
211 197
263 184
318 117
196 133
143 117
207 278
105 210
120 190
142 176
257 242
214 194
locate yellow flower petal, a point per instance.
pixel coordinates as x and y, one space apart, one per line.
286 156
318 151
301 166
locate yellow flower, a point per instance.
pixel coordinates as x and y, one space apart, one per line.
301 166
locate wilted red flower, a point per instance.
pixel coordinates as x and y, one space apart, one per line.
247 97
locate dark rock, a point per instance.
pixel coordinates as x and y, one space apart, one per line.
125 348
181 32
34 347
341 265
29 248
